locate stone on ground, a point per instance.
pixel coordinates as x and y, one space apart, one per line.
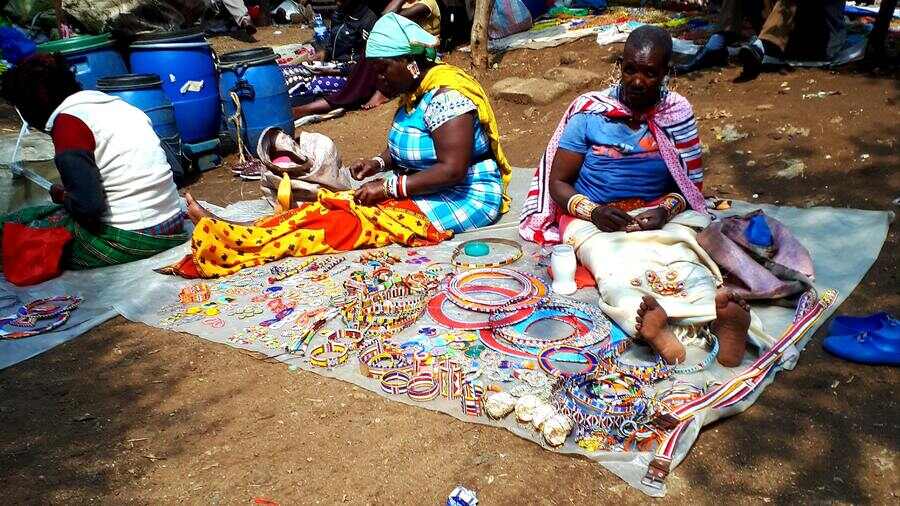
577 78
529 91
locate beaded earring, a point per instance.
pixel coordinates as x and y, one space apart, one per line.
414 70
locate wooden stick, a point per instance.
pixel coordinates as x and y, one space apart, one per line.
478 43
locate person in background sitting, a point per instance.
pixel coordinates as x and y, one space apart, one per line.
426 13
117 197
787 29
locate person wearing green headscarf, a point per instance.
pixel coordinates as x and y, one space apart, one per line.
444 144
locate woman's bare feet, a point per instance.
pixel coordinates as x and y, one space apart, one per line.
731 325
653 326
195 211
377 99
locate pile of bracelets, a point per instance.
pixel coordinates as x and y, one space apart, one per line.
38 316
614 404
376 360
531 290
613 363
591 327
512 258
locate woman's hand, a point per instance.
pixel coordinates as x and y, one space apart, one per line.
362 169
370 193
651 219
610 219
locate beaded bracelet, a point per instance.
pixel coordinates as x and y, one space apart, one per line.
471 400
336 355
546 364
375 360
450 377
423 387
707 360
659 371
454 288
50 323
674 204
580 206
50 307
460 249
350 337
436 311
395 383
532 292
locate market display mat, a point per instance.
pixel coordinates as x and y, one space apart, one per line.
842 257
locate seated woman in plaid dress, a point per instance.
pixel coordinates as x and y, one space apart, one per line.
444 171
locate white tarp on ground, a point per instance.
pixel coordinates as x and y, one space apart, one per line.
843 242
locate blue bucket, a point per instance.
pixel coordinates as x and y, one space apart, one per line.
91 57
145 92
184 62
259 84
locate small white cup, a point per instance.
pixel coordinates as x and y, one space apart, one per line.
563 265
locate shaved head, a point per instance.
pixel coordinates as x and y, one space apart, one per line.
648 39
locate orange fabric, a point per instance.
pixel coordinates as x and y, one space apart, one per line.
332 224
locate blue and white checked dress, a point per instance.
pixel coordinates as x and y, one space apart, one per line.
473 203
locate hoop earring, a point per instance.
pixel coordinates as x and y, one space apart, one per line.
413 69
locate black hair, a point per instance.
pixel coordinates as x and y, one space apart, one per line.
51 71
650 38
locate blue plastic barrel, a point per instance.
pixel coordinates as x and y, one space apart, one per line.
145 92
259 84
184 62
91 57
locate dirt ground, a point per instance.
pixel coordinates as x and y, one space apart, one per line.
129 413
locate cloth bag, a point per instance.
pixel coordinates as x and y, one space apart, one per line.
312 161
508 17
780 269
32 255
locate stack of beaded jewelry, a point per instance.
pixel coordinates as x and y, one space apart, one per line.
530 292
580 206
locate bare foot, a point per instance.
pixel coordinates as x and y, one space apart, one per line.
195 210
731 325
377 99
653 326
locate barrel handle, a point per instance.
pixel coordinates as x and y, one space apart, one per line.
172 45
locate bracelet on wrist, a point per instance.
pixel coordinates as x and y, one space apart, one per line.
381 163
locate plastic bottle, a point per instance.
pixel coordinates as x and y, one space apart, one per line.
320 31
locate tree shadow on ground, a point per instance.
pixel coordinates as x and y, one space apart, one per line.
71 443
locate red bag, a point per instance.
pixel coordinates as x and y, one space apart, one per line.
32 255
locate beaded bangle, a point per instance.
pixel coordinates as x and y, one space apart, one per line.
647 373
460 249
435 310
49 307
580 206
546 363
352 338
423 387
336 355
402 187
450 377
707 360
674 204
376 366
395 383
50 323
471 400
533 290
